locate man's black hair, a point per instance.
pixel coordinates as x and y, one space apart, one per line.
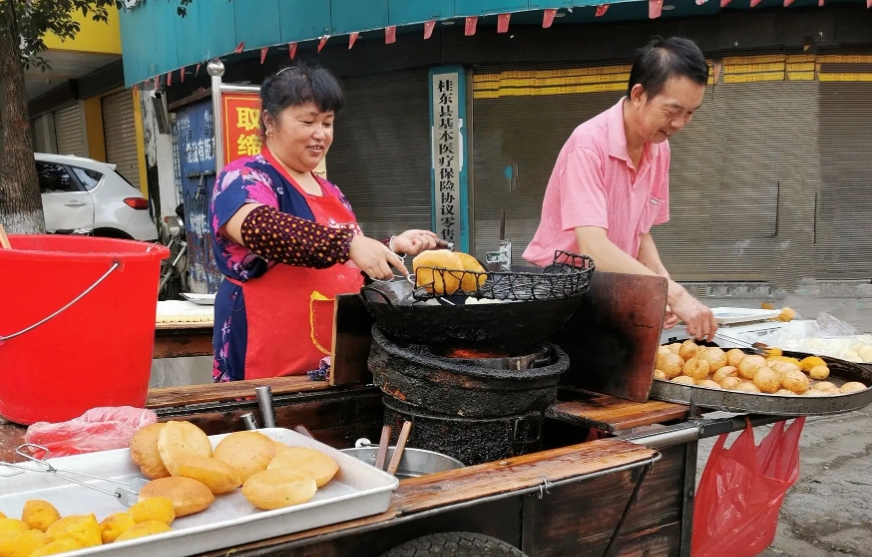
662 59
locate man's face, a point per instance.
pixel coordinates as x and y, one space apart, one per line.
669 111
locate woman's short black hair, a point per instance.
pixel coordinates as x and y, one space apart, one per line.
662 59
301 83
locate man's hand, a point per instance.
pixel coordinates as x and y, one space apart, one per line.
671 320
697 317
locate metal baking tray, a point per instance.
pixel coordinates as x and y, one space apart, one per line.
199 299
728 315
778 405
358 490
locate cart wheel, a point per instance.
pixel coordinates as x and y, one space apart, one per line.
455 544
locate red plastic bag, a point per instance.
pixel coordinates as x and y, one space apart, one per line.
98 429
741 491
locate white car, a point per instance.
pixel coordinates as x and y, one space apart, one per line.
84 196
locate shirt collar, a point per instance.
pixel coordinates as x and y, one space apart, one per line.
617 135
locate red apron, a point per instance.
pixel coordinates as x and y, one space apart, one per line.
290 309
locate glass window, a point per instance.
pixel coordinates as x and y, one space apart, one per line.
88 178
54 178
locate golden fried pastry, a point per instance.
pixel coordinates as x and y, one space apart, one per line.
735 356
806 364
63 545
663 350
144 529
716 357
145 454
12 526
469 281
114 525
160 509
749 365
658 374
697 368
787 314
83 528
815 392
731 383
688 350
724 372
218 476
785 392
670 364
179 439
795 381
819 372
188 496
441 283
317 464
747 387
852 387
39 515
781 367
767 380
709 384
249 452
281 446
684 380
675 347
826 387
22 544
279 488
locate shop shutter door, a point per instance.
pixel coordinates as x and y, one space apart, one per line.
119 129
516 142
380 156
844 205
746 151
70 130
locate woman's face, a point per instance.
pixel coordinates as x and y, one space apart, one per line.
300 136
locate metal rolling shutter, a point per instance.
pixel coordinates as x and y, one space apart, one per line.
119 129
843 218
70 130
748 151
380 156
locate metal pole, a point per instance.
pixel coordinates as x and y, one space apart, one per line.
215 68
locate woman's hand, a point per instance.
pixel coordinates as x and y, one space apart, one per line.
374 259
413 242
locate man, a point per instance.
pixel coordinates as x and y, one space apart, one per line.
610 184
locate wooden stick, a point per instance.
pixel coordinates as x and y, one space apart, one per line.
4 239
383 447
398 450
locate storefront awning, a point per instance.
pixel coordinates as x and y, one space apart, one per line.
158 43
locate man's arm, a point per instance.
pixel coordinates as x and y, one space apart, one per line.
650 257
594 242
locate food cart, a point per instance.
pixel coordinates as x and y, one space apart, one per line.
564 452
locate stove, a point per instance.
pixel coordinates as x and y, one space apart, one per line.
477 406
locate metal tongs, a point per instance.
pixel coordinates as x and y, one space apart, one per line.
127 495
756 347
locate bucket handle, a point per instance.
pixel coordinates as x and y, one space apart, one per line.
87 291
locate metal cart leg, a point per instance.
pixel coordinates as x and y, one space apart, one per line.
690 461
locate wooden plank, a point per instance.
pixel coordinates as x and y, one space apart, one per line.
215 392
181 343
612 414
612 339
516 473
352 339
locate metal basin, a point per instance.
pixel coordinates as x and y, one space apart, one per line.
414 464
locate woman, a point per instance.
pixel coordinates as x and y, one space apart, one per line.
287 240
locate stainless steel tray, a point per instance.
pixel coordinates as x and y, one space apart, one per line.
778 405
358 490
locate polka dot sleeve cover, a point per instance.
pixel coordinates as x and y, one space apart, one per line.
292 240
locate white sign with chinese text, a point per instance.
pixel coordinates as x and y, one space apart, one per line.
447 155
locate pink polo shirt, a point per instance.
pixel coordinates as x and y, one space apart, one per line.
594 184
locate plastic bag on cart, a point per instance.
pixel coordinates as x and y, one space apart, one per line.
98 429
741 491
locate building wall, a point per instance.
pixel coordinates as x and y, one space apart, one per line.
96 37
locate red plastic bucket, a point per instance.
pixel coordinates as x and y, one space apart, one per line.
97 351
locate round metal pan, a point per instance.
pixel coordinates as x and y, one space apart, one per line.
778 405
